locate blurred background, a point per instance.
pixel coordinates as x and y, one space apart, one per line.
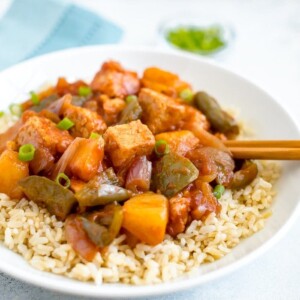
259 39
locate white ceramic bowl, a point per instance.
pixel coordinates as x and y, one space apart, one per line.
190 20
257 109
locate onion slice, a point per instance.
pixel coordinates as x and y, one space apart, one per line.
66 158
57 106
139 175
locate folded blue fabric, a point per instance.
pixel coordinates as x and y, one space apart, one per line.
34 27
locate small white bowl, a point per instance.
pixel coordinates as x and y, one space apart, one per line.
258 109
188 20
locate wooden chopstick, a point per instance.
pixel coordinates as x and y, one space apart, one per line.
263 143
268 149
266 153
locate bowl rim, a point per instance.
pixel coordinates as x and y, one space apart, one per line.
164 288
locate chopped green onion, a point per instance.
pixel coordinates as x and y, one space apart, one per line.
63 180
65 124
187 95
84 91
2 114
129 98
34 98
204 40
15 109
161 148
219 191
26 152
95 135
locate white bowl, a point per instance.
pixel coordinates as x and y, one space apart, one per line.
257 109
190 20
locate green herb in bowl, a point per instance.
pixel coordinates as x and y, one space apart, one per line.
204 40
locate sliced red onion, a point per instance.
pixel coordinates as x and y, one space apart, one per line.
56 106
139 175
66 157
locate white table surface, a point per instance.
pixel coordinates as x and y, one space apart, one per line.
266 50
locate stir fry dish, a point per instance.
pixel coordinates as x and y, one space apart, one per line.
122 155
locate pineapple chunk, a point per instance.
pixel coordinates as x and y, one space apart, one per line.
87 159
13 170
179 142
163 82
146 217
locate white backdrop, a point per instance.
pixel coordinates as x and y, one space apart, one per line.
266 50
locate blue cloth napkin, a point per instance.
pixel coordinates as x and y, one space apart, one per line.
34 27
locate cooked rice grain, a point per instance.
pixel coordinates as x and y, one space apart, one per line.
39 237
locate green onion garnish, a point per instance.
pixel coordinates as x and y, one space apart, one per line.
204 40
95 135
65 124
34 98
161 148
219 191
15 109
26 152
130 98
63 180
2 114
84 91
187 95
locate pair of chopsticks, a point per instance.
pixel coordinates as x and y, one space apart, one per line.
277 150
